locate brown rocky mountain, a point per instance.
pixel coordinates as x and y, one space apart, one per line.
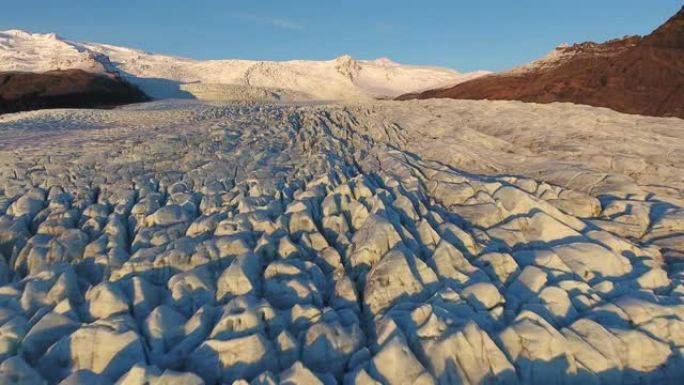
640 75
21 91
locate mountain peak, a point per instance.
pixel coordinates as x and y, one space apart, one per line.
347 66
20 33
385 61
15 32
668 35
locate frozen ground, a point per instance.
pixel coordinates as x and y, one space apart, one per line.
450 242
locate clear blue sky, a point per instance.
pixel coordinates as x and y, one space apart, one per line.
465 35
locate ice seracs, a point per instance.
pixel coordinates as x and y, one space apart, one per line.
353 244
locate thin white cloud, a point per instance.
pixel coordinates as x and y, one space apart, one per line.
384 27
270 21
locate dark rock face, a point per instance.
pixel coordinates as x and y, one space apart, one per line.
633 75
22 91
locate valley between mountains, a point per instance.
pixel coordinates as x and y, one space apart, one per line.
171 221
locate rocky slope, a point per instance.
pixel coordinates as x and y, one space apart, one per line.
182 243
162 76
20 91
635 75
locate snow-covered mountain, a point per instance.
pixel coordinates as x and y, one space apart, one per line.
34 52
162 76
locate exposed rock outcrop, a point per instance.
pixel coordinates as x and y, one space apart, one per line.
634 75
21 91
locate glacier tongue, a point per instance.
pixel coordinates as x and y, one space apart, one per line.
185 243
